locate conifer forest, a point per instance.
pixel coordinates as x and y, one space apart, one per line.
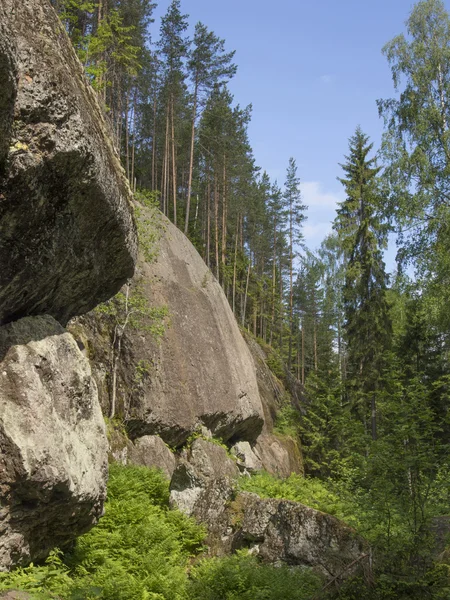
368 352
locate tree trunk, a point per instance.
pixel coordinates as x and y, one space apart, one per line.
191 157
208 222
174 168
224 219
246 294
274 281
154 182
216 225
303 354
236 240
291 284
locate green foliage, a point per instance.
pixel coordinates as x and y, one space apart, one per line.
275 363
42 581
149 223
132 310
242 577
141 550
142 369
112 43
323 426
287 421
308 491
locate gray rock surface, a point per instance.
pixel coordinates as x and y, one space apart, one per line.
203 480
202 485
280 530
67 236
53 449
279 455
199 373
150 451
8 89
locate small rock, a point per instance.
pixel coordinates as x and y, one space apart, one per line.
247 459
150 451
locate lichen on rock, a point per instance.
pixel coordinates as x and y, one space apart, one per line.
53 451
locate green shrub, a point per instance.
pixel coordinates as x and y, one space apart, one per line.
243 577
275 363
287 421
312 492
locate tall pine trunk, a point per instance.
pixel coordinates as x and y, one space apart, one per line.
174 166
191 157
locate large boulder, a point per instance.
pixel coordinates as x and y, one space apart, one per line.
199 373
202 486
53 448
280 455
281 530
67 236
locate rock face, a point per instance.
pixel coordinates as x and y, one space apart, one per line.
200 372
247 460
53 450
279 455
67 238
202 485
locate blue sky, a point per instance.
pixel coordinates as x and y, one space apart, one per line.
313 72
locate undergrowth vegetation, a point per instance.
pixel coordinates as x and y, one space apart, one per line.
406 562
143 550
312 492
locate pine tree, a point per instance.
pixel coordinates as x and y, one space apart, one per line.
173 49
208 65
296 217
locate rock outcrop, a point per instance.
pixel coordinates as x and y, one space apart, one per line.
67 237
53 450
281 530
202 486
205 486
67 241
200 372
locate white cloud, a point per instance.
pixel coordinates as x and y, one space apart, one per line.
315 232
314 197
321 211
326 79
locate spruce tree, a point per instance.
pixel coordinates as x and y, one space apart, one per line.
367 321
